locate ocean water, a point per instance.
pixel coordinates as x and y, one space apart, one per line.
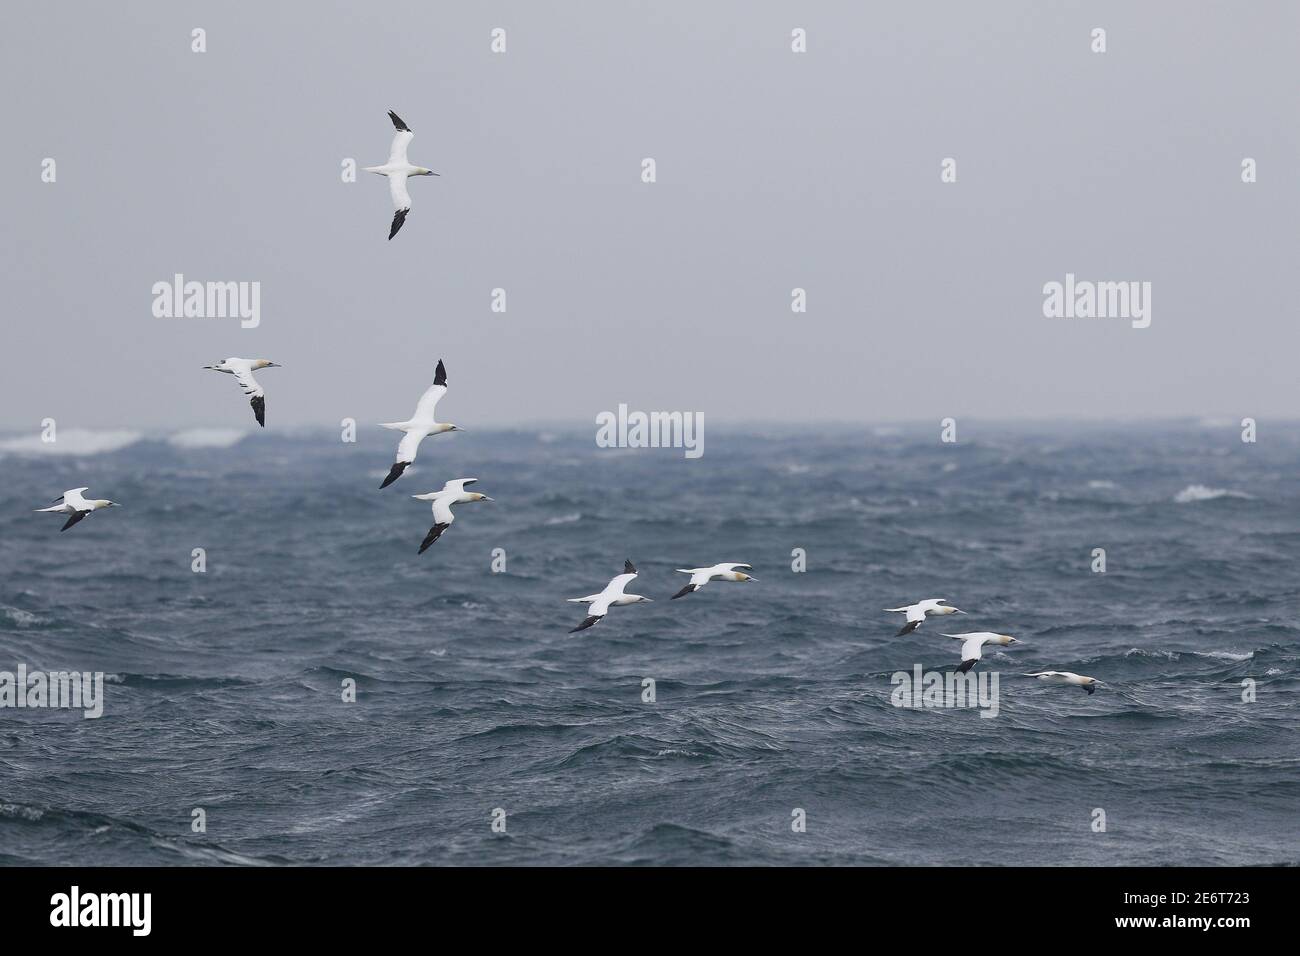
224 688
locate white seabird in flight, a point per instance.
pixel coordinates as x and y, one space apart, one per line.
72 503
452 493
419 425
972 648
721 572
612 596
1065 677
243 369
397 169
918 612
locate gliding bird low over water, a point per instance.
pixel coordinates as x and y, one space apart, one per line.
419 425
918 612
1089 684
612 596
397 169
242 369
719 572
72 503
972 648
452 493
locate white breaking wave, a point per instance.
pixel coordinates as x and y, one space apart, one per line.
1202 493
1101 483
207 437
70 441
565 519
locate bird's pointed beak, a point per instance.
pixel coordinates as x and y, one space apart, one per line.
751 579
486 498
959 611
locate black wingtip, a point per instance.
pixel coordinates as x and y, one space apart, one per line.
965 666
440 374
1089 688
399 217
627 566
684 591
76 516
586 623
397 122
259 409
908 628
394 473
434 534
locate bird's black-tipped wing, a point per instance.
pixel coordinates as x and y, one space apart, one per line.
397 122
1089 688
394 473
684 591
78 515
440 374
966 665
259 409
908 628
434 534
586 623
627 567
399 217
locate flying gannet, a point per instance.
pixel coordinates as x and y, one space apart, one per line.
702 576
419 425
918 612
1065 677
71 503
397 169
972 648
452 493
612 596
242 369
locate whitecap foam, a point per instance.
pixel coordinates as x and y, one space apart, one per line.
1230 655
207 437
18 616
1101 483
565 519
1203 493
70 441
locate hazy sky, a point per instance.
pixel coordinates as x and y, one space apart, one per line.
775 170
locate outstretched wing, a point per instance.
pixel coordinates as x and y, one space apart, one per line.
397 154
457 485
972 649
249 384
428 403
397 189
407 447
614 588
442 510
76 516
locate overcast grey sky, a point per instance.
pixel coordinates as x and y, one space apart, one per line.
775 170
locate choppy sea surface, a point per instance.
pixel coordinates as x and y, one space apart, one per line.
224 688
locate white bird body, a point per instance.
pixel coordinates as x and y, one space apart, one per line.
243 369
1066 677
720 572
71 502
453 493
614 595
972 648
420 425
918 612
398 169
